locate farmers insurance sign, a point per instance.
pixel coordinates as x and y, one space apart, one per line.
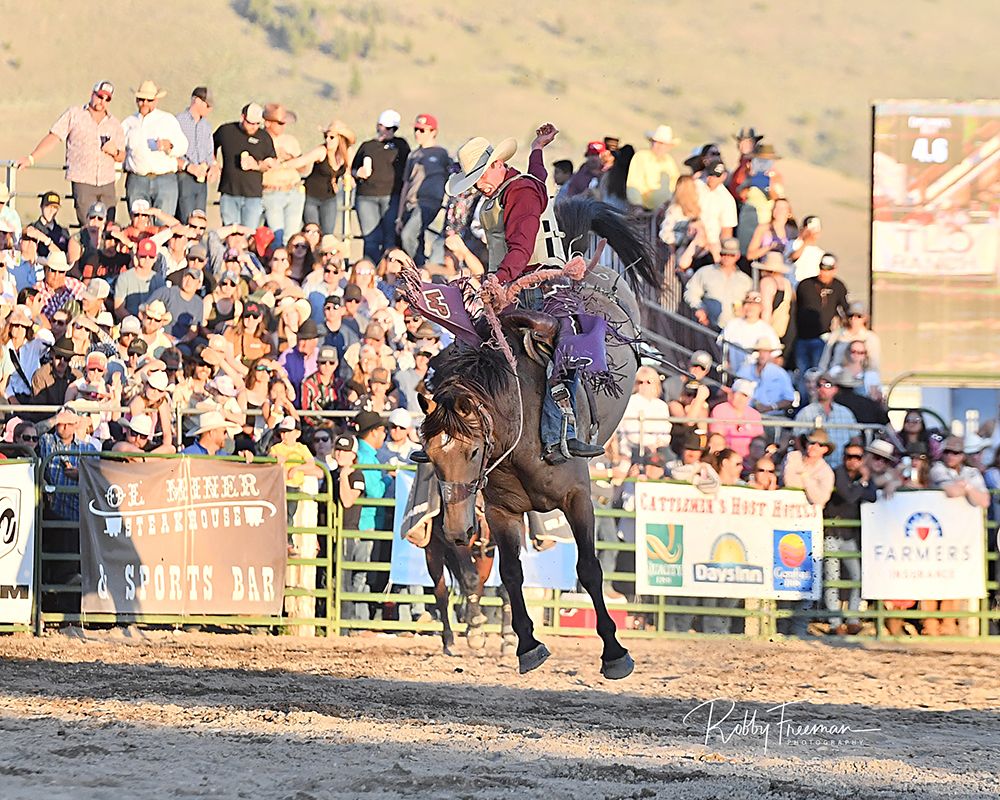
17 541
735 543
182 536
922 546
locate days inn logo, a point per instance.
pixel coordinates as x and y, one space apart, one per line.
923 525
728 563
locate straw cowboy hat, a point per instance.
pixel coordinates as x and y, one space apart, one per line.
819 437
66 415
474 157
664 134
157 312
214 420
149 91
772 261
340 128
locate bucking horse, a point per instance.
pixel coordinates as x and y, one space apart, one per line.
481 429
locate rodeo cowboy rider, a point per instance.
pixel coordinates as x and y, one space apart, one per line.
522 235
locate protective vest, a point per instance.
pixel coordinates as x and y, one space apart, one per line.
548 249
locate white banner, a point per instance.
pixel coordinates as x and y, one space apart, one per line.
922 546
17 541
934 250
736 543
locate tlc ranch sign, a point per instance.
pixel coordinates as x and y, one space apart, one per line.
182 536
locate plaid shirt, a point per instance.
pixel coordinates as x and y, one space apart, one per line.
315 395
63 505
54 299
84 138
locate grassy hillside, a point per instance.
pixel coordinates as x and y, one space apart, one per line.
804 73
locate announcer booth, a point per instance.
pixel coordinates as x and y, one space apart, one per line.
935 251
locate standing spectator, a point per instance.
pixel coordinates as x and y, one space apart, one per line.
95 142
805 253
134 285
210 435
681 229
777 297
852 486
378 167
283 198
247 153
827 411
325 184
64 470
653 173
819 300
30 270
956 479
427 168
46 228
588 177
718 209
153 144
764 475
742 333
716 291
856 366
699 365
773 392
562 171
645 424
856 330
746 142
408 380
809 468
738 422
197 166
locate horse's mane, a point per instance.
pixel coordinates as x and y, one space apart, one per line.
478 374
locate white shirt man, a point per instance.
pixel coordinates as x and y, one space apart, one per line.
718 208
143 133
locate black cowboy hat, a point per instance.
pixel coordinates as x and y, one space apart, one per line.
63 347
367 420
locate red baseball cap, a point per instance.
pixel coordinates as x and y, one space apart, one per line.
595 148
146 247
426 121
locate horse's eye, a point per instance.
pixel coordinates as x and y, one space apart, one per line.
475 453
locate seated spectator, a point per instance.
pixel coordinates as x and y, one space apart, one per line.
881 464
322 390
248 336
914 431
399 442
718 208
729 465
773 392
154 318
743 332
377 398
46 227
645 424
689 450
827 411
184 307
51 380
23 352
764 475
738 422
856 365
134 286
693 403
56 288
856 330
299 361
717 290
699 365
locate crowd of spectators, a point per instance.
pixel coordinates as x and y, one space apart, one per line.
153 330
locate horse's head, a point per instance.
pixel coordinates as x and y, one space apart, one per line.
458 439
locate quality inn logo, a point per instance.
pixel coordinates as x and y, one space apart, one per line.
664 554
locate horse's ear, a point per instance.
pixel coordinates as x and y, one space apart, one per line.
464 407
427 404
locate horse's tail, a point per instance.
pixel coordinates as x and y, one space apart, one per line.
580 216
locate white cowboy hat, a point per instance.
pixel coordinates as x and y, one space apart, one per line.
141 424
149 91
474 157
663 133
772 261
213 420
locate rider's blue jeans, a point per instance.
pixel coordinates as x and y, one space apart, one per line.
552 416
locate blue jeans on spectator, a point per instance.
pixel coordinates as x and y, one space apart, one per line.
415 222
240 210
159 191
377 218
359 550
191 195
832 568
808 352
283 213
325 213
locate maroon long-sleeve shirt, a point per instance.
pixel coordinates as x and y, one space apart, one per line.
523 203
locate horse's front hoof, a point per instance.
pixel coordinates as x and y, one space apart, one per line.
533 659
618 668
449 652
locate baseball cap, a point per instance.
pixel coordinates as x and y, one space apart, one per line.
699 358
744 386
828 261
97 289
812 222
198 213
389 118
98 210
345 442
146 247
400 417
253 113
423 121
367 420
142 425
105 320
595 148
334 300
140 206
352 292
379 375
253 310
51 199
197 251
716 168
288 424
96 360
327 355
731 246
203 93
130 325
104 87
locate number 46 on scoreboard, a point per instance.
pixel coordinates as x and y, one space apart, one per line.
930 151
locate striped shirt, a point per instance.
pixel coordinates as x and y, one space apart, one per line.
84 138
54 299
201 148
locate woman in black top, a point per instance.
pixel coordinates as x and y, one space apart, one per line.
323 184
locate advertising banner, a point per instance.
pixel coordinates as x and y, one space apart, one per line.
182 536
735 543
922 546
17 542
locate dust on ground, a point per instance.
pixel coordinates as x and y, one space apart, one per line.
165 715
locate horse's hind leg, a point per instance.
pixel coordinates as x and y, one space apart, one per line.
460 559
509 643
434 555
506 531
615 660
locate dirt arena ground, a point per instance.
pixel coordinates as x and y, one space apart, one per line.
161 715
